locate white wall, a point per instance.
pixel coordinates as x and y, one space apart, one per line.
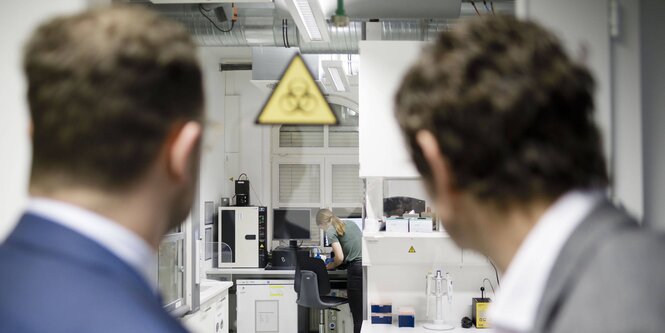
615 64
653 99
627 106
248 148
211 176
18 18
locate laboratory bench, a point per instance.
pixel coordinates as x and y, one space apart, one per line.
251 284
213 315
368 327
265 273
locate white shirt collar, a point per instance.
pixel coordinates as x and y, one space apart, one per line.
122 242
525 279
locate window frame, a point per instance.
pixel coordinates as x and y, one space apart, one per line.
278 160
338 160
325 150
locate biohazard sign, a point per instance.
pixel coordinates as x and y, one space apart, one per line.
297 99
412 250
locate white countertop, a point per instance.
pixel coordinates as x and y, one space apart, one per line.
261 271
212 288
368 327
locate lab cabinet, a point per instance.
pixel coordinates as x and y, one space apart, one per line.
386 248
213 316
382 149
266 306
238 231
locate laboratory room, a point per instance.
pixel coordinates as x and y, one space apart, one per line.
338 166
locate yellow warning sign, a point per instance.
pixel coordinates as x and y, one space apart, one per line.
297 99
412 250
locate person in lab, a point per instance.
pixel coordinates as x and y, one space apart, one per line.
499 121
346 240
116 101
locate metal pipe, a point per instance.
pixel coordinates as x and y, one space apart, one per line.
260 27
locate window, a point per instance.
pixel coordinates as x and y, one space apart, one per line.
346 184
340 139
300 136
317 166
299 183
171 269
346 133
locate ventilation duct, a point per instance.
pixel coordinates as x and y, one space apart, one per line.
259 26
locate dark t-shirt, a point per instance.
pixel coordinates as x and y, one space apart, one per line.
351 242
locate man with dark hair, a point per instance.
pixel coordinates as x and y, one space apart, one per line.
499 121
116 102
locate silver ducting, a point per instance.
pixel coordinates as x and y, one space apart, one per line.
259 26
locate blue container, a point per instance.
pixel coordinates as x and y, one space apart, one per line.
378 308
406 321
381 318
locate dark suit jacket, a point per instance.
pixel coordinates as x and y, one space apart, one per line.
609 277
53 279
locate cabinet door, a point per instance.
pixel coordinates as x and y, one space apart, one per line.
382 148
247 237
220 316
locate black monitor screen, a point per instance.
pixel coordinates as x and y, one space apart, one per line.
291 224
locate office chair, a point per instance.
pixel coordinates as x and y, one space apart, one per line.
313 286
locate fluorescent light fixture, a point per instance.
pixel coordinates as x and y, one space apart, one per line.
309 19
336 74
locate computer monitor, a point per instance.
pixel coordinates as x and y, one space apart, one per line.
291 224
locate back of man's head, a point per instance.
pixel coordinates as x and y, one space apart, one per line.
105 88
511 113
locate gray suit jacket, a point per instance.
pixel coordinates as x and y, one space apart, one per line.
609 277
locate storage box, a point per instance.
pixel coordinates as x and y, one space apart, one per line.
406 320
382 318
382 308
420 225
406 317
397 225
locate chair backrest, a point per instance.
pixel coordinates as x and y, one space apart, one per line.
315 265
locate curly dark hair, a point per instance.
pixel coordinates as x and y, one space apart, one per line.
512 114
105 87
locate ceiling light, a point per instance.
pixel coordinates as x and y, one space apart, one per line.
335 72
309 19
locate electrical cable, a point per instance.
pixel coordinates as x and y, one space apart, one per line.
491 285
492 5
496 273
286 33
201 9
476 8
486 8
255 194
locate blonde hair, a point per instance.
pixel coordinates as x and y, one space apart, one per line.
325 217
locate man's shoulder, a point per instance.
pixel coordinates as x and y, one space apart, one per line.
619 289
71 298
72 293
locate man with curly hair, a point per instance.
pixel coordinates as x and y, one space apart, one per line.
499 121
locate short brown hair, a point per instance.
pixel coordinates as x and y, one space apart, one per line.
512 114
105 87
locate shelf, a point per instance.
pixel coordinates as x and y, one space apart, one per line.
384 234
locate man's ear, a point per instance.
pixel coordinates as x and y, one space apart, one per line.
183 146
441 175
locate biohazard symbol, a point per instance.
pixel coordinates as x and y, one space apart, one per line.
297 99
412 250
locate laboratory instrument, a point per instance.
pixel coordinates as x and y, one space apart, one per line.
435 287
